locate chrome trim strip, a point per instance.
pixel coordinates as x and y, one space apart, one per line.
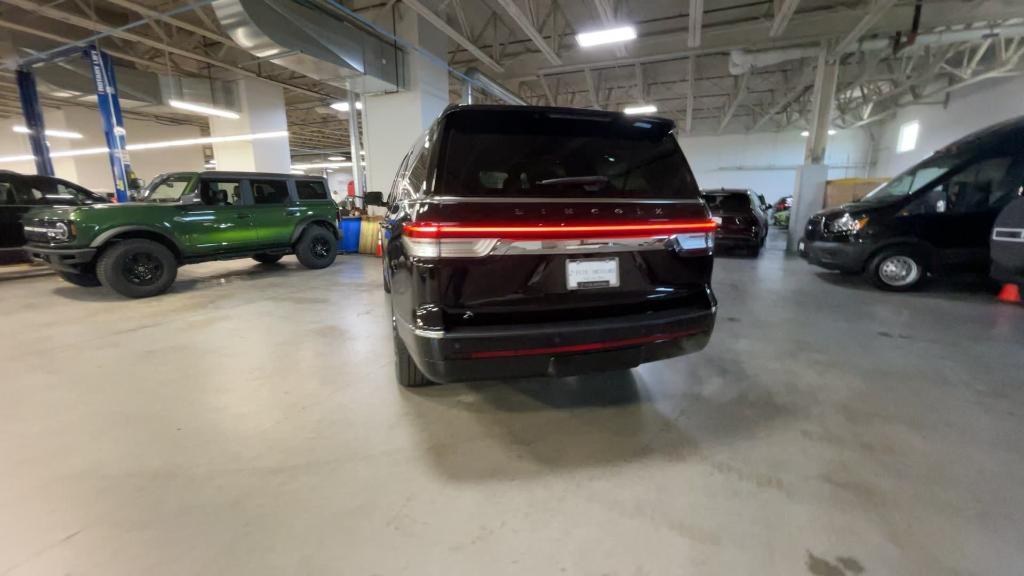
427 333
587 246
528 200
1008 234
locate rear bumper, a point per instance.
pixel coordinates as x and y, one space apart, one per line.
562 349
61 259
842 256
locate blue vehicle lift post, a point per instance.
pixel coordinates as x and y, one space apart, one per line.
34 121
110 112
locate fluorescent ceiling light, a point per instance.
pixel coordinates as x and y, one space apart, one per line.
55 133
608 36
642 109
298 172
321 165
155 145
62 94
343 106
201 109
806 133
335 158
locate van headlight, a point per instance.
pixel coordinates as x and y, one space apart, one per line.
847 224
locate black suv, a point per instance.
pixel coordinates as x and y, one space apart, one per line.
742 221
936 217
20 193
527 241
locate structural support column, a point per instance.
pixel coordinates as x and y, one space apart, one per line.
809 194
356 147
261 113
397 119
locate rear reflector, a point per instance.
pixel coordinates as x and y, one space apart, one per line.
588 347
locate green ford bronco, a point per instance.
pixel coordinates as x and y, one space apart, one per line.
184 218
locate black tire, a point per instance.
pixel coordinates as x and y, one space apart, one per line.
316 248
267 258
137 268
84 279
754 251
897 269
406 371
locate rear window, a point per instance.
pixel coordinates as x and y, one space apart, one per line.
310 190
531 153
737 201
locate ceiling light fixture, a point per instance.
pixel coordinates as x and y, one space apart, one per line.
299 172
201 109
155 145
343 106
336 158
805 133
641 109
598 37
321 165
55 133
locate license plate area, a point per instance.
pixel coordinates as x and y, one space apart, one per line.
590 273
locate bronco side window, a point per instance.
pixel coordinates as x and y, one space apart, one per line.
221 192
269 191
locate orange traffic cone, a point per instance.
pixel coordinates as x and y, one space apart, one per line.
1010 293
380 251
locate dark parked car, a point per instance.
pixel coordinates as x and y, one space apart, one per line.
183 218
742 222
19 193
936 217
525 241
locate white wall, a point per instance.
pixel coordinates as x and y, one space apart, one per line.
969 109
93 171
767 162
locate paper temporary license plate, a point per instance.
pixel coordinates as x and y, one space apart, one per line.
592 273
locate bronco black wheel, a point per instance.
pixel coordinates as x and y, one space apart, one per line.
316 248
137 268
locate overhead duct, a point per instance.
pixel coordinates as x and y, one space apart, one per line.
314 41
477 79
741 61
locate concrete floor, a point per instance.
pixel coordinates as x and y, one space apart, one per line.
248 423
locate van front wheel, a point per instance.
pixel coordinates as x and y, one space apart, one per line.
897 270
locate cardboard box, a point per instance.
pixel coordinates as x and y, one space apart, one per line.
845 190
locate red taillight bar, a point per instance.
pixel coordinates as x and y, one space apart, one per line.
589 347
428 230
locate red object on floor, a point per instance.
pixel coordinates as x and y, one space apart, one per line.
1010 293
380 250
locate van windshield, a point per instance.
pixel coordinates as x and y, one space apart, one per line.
539 154
914 178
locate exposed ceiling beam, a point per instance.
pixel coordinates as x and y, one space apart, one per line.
696 22
547 91
88 24
524 22
134 6
452 33
783 104
875 12
64 40
784 10
741 91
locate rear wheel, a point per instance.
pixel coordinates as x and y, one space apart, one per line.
896 269
137 268
406 371
754 251
85 279
267 258
316 248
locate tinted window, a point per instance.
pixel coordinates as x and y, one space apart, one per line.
221 192
310 190
986 184
269 191
56 192
7 193
489 153
737 202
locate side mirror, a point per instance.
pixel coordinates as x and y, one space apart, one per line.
373 199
